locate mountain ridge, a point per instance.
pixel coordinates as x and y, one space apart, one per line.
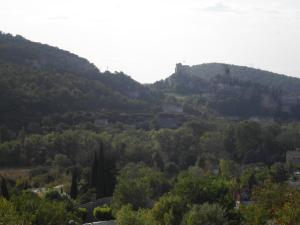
38 80
235 91
258 75
44 79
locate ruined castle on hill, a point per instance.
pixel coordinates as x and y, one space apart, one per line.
181 68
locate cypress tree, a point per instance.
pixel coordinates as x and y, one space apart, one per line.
4 189
102 178
101 181
109 171
74 185
94 175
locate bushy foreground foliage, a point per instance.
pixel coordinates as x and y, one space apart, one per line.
103 213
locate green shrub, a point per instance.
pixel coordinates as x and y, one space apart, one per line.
53 195
40 211
138 185
127 216
169 209
103 213
82 213
9 215
212 214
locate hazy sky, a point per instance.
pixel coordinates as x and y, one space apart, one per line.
145 39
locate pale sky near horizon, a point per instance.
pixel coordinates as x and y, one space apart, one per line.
145 39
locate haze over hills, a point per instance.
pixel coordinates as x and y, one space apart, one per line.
38 80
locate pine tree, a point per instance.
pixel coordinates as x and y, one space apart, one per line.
74 185
4 189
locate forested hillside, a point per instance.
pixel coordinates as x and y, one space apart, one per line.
18 50
38 80
233 91
242 73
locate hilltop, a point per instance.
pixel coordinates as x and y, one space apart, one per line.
235 91
38 81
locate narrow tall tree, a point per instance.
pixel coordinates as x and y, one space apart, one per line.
102 178
94 174
74 185
101 181
4 189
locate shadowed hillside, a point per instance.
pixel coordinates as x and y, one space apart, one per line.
38 80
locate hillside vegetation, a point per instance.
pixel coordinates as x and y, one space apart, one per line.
38 80
233 91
